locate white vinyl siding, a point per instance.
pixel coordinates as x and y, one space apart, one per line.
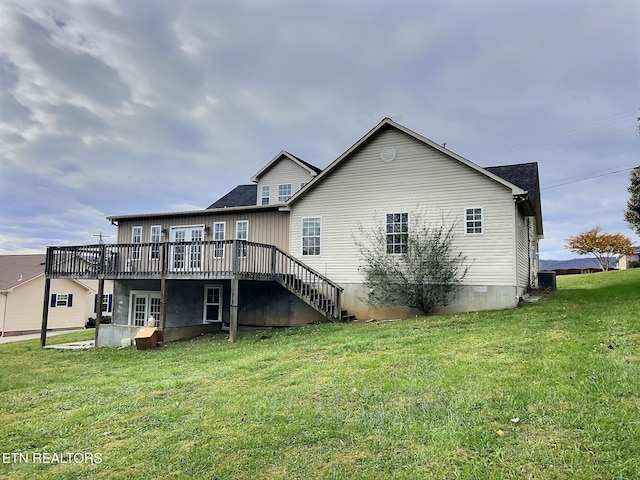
283 171
420 179
522 246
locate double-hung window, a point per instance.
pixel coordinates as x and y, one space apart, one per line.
397 231
156 232
284 192
473 220
311 234
265 194
242 233
218 237
136 238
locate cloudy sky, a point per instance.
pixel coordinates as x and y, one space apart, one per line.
118 107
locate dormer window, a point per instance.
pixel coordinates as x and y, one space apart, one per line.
284 192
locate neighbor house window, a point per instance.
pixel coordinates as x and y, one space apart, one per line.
284 192
302 184
397 231
265 194
107 303
218 236
242 233
61 300
156 232
311 230
136 238
473 220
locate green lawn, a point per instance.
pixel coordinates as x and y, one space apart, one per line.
419 398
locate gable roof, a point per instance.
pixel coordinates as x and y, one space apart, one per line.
241 196
388 123
18 269
313 170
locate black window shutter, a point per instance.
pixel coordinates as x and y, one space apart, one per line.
110 302
70 300
95 303
53 300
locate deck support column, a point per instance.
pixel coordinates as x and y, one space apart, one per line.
45 312
233 320
98 309
163 304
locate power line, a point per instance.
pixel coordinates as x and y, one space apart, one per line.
587 178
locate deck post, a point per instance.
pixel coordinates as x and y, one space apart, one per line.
45 312
233 320
101 267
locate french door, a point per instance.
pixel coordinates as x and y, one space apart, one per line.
143 306
187 257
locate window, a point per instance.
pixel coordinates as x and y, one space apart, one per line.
218 236
397 232
474 221
311 230
156 232
212 304
186 252
242 233
107 303
136 237
266 193
284 192
61 300
302 184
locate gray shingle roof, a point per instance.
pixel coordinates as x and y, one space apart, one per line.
241 196
523 175
17 269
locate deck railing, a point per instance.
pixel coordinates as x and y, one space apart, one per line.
217 259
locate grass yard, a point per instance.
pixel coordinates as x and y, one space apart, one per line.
419 398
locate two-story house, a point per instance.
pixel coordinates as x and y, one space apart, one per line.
282 250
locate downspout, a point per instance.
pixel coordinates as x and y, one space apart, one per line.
4 314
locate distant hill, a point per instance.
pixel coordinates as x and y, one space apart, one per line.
573 263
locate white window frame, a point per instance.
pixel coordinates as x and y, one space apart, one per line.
148 294
192 255
218 249
62 299
283 188
471 226
136 238
206 304
303 237
242 249
265 195
155 236
393 233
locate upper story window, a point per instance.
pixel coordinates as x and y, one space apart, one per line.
242 233
303 184
156 233
473 220
136 237
397 231
265 194
284 192
218 235
311 234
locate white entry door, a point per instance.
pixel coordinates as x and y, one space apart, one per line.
143 306
187 257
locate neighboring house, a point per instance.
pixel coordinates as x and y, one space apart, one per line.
282 251
629 261
71 302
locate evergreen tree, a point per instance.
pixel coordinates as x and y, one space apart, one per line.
632 213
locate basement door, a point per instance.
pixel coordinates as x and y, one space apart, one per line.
143 306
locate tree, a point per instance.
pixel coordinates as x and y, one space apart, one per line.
419 268
632 213
604 246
